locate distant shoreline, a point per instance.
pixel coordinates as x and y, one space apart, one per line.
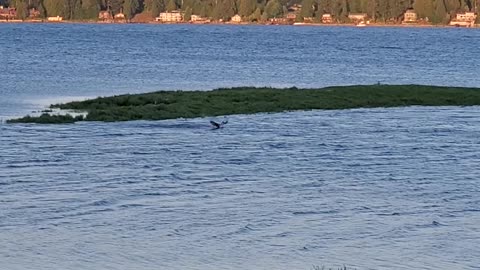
250 100
239 24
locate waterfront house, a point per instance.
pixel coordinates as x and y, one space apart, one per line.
292 12
173 16
308 19
291 16
466 19
327 18
410 16
278 21
357 17
195 18
119 16
7 13
105 15
466 16
236 19
295 8
55 19
199 19
33 13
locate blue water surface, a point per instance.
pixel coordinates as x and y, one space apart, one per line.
377 188
45 63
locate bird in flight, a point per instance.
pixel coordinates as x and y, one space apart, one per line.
216 125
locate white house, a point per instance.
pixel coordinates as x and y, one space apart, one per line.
173 16
237 19
55 19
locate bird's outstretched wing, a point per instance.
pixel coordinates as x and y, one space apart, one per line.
215 124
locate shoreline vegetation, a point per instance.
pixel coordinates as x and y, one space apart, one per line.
458 13
164 105
316 24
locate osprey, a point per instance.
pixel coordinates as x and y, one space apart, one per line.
216 125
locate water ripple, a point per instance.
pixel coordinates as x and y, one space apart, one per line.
369 188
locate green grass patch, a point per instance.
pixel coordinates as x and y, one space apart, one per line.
46 118
249 100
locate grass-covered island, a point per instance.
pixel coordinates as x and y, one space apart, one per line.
248 100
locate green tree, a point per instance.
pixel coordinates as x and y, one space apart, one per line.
438 11
146 5
77 12
224 10
157 7
325 6
186 3
424 8
264 17
355 6
68 9
343 9
197 7
246 7
229 9
384 10
371 8
273 9
452 5
115 5
256 15
130 8
217 11
54 8
308 9
204 10
90 8
171 5
188 14
41 9
399 7
440 14
22 9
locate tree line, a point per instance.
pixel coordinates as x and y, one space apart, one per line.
435 11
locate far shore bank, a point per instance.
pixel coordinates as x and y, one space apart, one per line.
239 24
250 100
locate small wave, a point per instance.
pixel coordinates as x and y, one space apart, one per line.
238 161
390 47
206 182
102 203
131 205
315 212
245 229
431 225
277 145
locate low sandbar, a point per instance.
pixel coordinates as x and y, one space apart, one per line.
163 105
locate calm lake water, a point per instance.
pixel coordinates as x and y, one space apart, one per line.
369 188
